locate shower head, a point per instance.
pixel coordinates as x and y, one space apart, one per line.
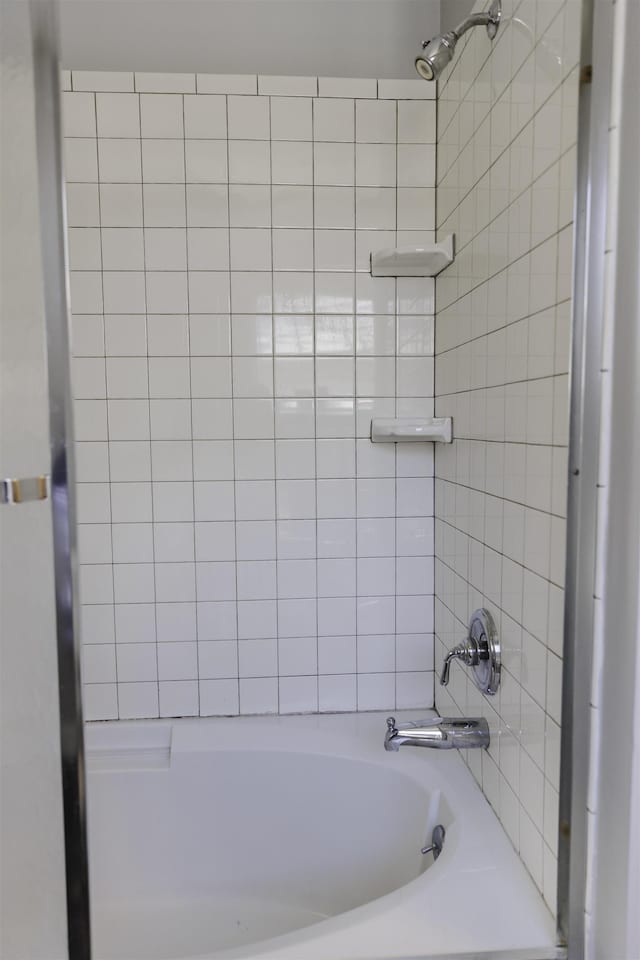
437 54
439 51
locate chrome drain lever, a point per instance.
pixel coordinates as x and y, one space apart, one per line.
437 842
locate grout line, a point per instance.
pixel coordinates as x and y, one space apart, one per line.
104 335
395 452
273 379
355 334
151 483
233 412
315 410
193 474
273 407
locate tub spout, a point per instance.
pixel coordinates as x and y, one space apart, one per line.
442 733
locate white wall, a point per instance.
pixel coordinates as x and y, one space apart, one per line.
507 126
453 12
32 872
331 38
244 546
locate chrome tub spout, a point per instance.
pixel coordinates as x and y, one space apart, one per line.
442 733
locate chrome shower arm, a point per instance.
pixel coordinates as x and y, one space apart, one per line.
489 19
473 20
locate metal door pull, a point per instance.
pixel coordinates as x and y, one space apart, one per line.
25 489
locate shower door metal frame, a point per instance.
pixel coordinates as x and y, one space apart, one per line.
590 219
46 78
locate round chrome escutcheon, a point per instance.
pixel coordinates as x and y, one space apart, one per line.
484 636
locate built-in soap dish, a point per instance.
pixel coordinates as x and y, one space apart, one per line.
426 260
411 429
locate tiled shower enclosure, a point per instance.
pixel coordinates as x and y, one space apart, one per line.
507 131
244 548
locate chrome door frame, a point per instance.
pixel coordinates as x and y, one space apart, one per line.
53 233
584 438
615 888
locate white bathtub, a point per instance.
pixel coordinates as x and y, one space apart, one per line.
296 838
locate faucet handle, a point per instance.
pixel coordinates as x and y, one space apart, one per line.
480 650
461 652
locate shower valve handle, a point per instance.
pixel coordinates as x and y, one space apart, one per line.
468 652
479 650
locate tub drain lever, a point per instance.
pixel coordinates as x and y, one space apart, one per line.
437 842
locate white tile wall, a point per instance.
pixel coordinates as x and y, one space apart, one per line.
507 123
243 546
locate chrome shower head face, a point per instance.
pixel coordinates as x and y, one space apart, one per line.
437 54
